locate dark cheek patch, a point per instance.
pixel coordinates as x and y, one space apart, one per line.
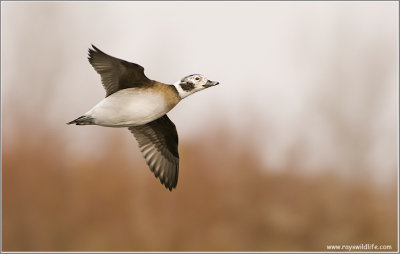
187 86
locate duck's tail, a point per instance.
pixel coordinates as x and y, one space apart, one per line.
82 120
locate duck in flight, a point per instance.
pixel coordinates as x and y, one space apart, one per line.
140 104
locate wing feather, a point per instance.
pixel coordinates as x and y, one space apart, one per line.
117 74
158 142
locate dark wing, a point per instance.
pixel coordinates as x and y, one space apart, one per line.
158 142
116 74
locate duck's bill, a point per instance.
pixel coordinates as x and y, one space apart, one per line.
211 83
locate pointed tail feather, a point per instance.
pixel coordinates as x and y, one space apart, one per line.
82 120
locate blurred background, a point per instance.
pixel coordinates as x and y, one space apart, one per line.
295 149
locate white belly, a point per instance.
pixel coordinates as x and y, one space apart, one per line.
129 107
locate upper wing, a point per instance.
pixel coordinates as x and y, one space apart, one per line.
158 142
116 74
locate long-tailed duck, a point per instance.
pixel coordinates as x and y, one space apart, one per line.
134 101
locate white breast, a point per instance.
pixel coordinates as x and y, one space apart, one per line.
129 107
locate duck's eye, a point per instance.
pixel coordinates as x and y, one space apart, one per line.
197 78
